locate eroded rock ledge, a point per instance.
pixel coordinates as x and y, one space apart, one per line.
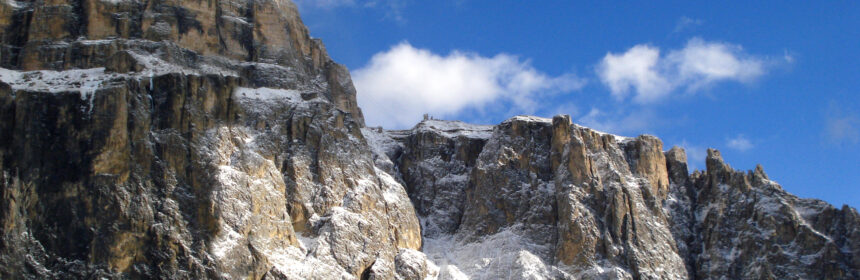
66 34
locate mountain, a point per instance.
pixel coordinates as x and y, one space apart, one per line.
218 140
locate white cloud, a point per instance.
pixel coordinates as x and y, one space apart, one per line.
696 66
686 23
740 143
636 68
701 63
399 85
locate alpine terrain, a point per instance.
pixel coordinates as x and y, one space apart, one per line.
217 140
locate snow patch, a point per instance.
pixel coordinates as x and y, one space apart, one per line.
14 4
155 66
114 2
530 119
618 138
455 128
268 94
82 80
226 241
381 142
240 20
306 243
504 255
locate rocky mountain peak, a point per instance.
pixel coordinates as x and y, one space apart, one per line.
218 140
578 203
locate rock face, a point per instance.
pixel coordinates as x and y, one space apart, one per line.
547 199
187 139
65 34
734 211
217 140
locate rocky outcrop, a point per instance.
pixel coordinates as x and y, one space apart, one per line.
435 160
545 198
217 140
187 139
64 34
736 211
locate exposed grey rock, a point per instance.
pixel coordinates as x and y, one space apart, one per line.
217 139
124 156
748 227
435 162
550 199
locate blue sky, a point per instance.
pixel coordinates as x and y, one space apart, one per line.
769 82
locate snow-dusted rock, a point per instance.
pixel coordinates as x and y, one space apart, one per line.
217 140
125 156
547 199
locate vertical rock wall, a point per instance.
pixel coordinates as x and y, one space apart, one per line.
545 198
187 139
217 140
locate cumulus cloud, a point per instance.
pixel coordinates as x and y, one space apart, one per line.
637 68
399 85
701 63
649 76
740 143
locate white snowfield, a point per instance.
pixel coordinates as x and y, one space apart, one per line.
455 129
268 94
85 81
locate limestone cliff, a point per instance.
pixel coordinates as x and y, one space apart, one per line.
217 140
538 198
186 139
66 34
